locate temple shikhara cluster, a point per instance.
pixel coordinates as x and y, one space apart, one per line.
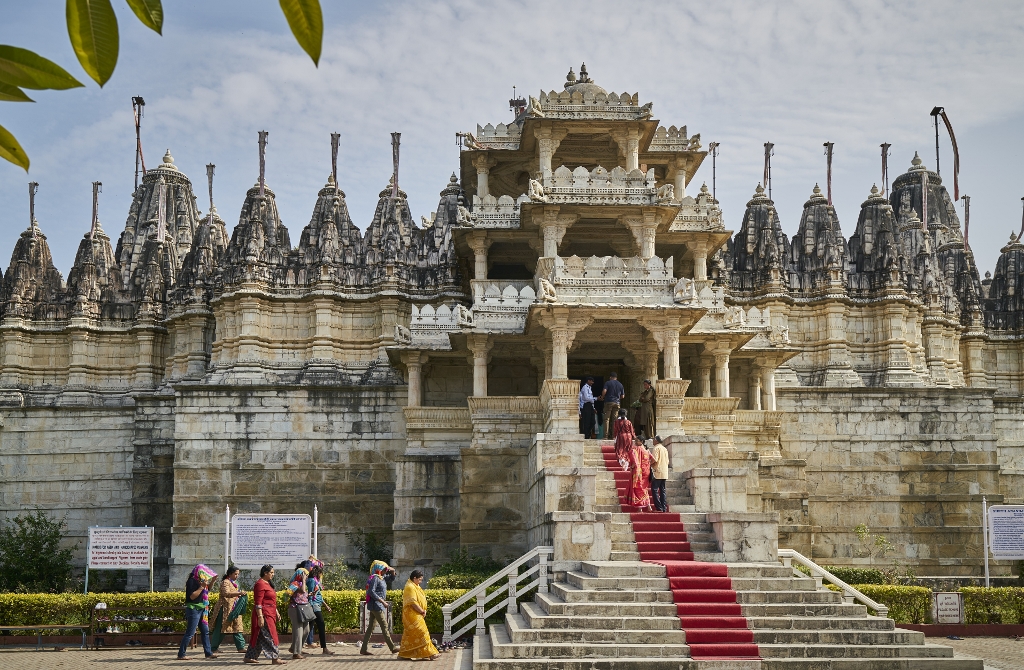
419 379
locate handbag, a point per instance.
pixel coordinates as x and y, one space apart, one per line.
306 613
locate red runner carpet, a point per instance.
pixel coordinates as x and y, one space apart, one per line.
705 600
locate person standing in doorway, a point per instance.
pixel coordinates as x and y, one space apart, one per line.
377 605
588 416
612 397
659 470
646 415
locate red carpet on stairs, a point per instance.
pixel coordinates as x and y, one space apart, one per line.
705 601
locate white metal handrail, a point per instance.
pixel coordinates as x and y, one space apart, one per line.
787 556
508 595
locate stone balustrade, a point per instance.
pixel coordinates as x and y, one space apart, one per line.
437 430
429 325
710 408
610 279
428 418
674 139
671 400
760 431
513 405
700 293
711 416
579 105
491 212
501 305
559 402
498 137
603 187
700 214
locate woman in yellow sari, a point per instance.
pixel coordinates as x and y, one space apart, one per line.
416 642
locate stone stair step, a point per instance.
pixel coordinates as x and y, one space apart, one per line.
588 582
613 569
503 647
535 617
799 610
754 597
772 584
872 664
554 606
760 570
839 637
834 651
628 556
820 623
571 593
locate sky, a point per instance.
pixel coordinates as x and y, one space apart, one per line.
740 73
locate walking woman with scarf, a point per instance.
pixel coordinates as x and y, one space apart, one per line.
264 620
377 605
197 609
231 603
622 431
639 474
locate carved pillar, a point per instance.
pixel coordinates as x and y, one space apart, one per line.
552 228
479 243
754 394
548 140
680 181
650 365
704 375
768 388
644 229
322 348
483 165
414 361
700 260
722 375
480 345
561 340
629 146
671 353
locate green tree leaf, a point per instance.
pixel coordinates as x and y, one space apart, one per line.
92 28
307 24
150 12
11 151
26 69
10 93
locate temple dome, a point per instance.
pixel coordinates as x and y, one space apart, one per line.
584 84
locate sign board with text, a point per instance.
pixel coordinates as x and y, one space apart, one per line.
949 607
1006 532
120 548
270 539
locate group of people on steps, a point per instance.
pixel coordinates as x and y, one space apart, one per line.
304 609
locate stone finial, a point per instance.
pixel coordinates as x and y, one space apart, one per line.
874 191
168 162
584 79
570 79
704 189
759 191
816 191
917 164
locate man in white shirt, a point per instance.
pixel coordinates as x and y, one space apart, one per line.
659 473
588 416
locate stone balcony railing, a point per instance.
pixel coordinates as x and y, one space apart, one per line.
501 305
497 137
429 325
589 105
711 416
602 187
700 214
490 212
437 418
610 279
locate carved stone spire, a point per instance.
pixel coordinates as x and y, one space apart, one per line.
32 287
760 251
819 250
331 245
94 283
1004 308
877 264
259 243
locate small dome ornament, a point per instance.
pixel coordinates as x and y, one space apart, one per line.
168 162
570 79
874 191
917 164
816 191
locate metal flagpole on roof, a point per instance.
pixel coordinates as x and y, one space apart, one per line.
828 176
769 151
263 159
935 114
209 180
335 137
33 187
713 148
967 219
97 186
396 139
138 105
885 167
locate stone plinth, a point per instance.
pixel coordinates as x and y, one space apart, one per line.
717 489
579 536
671 400
747 536
558 400
687 452
711 416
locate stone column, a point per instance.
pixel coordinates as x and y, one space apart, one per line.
768 388
671 353
479 243
722 375
483 165
561 340
552 228
644 229
704 375
680 182
480 345
629 146
754 393
548 140
414 366
700 260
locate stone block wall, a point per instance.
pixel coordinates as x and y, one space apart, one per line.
75 463
447 382
427 510
153 480
283 449
912 464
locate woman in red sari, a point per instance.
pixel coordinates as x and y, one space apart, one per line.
640 474
264 620
622 431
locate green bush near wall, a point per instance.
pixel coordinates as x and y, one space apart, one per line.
907 604
27 609
1004 604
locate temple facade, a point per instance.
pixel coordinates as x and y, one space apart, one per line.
420 381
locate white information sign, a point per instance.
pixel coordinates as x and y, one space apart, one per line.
949 608
274 539
120 548
1006 532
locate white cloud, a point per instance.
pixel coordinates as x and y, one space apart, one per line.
797 74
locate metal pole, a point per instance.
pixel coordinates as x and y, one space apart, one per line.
335 137
33 187
828 175
316 531
88 550
227 537
714 171
97 186
396 139
263 159
885 167
150 559
984 535
967 220
209 181
935 114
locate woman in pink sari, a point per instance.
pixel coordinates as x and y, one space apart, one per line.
640 473
622 431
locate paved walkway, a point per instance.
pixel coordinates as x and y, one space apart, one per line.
128 658
1000 653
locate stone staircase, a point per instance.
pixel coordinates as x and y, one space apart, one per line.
689 613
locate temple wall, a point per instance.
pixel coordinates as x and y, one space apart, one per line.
447 382
912 464
72 462
283 449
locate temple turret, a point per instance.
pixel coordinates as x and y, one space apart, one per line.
95 289
330 244
818 249
259 243
180 217
199 270
1004 308
32 287
760 251
877 265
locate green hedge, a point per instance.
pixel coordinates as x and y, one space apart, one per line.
851 575
907 604
1003 604
26 609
